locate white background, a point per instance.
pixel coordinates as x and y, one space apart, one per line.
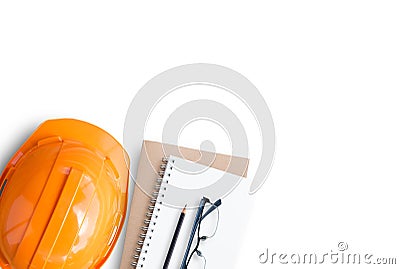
329 71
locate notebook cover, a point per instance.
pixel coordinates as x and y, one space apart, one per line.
149 163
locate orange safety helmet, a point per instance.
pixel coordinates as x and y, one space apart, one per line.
63 198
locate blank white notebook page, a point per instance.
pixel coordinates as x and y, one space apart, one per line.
219 251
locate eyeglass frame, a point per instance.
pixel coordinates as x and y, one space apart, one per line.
196 228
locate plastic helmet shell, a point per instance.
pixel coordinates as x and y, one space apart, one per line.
63 198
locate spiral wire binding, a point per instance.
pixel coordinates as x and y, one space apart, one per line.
153 209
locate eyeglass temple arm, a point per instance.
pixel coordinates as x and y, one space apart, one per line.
212 208
203 201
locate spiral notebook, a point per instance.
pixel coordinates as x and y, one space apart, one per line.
220 250
145 165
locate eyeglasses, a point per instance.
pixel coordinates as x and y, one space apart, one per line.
202 235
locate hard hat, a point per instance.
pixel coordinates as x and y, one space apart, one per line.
63 198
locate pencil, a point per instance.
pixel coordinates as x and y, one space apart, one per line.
174 238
